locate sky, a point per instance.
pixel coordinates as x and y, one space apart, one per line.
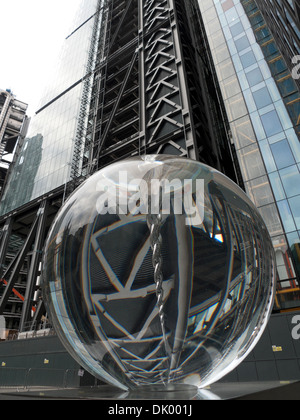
32 33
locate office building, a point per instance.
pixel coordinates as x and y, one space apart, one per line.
261 100
283 20
121 90
13 125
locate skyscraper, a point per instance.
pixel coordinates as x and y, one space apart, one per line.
261 100
282 56
283 20
42 169
12 126
136 78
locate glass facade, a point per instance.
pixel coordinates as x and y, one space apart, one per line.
44 162
74 54
278 64
263 132
283 17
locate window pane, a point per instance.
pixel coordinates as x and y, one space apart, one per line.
230 87
248 59
295 207
268 157
225 69
278 189
242 43
271 123
237 29
291 180
243 132
282 154
236 107
251 162
254 77
271 217
286 216
262 98
260 192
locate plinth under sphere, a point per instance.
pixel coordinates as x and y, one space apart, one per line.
159 270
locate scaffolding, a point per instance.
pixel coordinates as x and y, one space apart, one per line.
80 157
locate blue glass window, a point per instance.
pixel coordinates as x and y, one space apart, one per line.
271 123
248 59
295 207
282 154
254 77
291 180
286 216
277 186
237 29
242 43
262 98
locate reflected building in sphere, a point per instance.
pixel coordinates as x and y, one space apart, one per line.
203 79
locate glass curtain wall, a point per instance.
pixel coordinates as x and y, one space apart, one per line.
262 132
44 162
268 41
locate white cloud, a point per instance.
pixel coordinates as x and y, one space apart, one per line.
31 35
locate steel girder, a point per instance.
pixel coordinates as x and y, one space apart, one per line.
154 89
23 235
153 92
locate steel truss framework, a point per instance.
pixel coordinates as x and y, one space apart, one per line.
150 88
22 237
154 88
13 126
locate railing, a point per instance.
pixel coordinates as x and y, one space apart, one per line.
287 295
26 379
30 331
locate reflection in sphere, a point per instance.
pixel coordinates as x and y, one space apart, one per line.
159 270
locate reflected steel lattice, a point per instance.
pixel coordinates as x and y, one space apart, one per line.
166 355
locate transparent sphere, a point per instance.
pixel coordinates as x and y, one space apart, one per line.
159 270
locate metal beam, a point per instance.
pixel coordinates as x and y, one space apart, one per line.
117 104
121 22
18 264
34 265
4 236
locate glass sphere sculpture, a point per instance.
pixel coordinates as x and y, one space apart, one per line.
159 270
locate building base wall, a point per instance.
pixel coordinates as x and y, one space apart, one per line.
40 362
44 361
277 355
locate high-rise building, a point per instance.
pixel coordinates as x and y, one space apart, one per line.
283 60
13 125
283 20
136 78
203 79
262 103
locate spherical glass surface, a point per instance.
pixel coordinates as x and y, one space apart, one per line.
159 270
